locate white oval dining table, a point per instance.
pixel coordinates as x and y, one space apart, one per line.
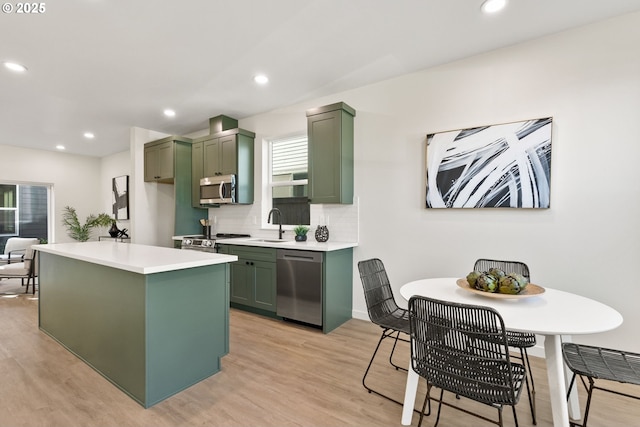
554 314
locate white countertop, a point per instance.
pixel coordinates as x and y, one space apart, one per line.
136 258
310 245
553 312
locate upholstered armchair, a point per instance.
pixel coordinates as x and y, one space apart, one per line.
26 269
15 249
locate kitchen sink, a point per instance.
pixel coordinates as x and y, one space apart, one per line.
270 240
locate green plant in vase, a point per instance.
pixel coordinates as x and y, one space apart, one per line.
79 232
301 233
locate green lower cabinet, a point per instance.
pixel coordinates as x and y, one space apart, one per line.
253 283
240 282
253 278
265 285
337 288
151 335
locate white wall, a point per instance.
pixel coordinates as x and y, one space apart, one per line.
112 166
75 181
588 242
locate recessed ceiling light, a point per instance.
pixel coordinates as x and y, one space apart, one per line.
169 112
60 147
13 66
89 135
493 6
261 79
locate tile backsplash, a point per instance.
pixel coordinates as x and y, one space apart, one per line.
341 220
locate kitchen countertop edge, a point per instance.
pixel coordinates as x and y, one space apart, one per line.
289 244
136 258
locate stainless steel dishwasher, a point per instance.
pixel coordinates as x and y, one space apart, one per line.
299 285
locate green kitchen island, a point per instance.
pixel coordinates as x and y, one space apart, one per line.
151 320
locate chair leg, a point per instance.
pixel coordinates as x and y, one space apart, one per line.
439 408
424 404
31 281
385 334
586 409
589 394
531 393
371 361
395 343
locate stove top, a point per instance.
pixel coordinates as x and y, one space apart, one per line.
231 235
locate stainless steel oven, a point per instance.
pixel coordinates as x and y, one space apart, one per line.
198 244
203 244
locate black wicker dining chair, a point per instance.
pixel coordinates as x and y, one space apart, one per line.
383 311
463 349
518 340
599 363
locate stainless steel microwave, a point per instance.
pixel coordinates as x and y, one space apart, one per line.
216 190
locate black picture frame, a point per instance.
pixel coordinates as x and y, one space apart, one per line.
497 166
120 197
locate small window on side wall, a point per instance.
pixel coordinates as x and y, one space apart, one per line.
288 179
8 210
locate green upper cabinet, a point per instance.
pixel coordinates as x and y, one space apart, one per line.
330 135
228 152
159 161
220 157
169 160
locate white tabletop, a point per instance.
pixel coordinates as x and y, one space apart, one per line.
140 259
553 312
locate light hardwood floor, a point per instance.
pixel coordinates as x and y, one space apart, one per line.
276 374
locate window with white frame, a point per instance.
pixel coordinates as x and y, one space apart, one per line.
288 179
8 210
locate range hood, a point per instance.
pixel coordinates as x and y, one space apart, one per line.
221 123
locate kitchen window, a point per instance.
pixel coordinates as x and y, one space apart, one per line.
8 210
288 172
24 212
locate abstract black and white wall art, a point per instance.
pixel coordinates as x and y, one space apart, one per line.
498 166
120 197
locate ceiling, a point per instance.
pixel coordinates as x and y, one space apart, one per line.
106 65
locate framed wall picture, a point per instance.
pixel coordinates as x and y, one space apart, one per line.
120 197
498 166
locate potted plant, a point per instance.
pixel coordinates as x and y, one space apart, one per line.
301 233
79 232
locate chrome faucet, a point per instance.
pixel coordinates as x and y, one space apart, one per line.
276 210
